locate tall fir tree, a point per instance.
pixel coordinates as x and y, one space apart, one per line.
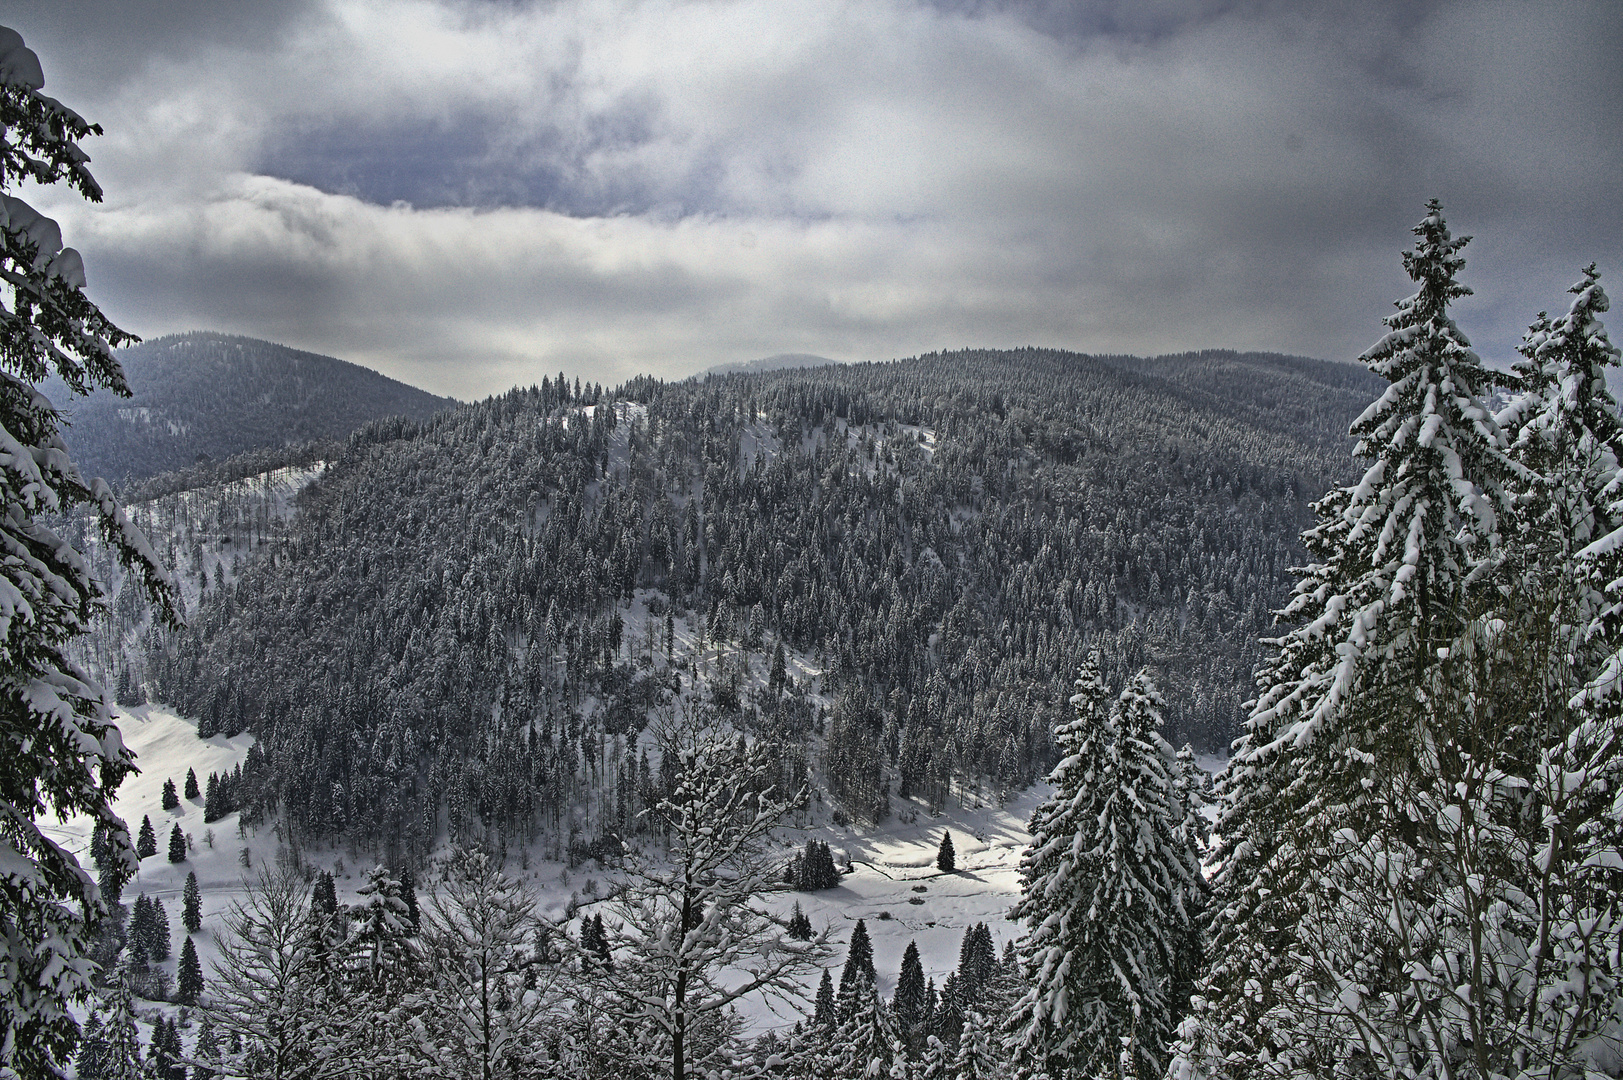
946 859
1366 895
1109 889
910 1001
191 904
858 973
191 785
188 975
177 845
146 844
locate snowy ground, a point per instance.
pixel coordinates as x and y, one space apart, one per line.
894 884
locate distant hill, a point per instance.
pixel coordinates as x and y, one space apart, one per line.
202 397
779 362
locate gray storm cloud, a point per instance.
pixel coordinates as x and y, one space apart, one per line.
469 195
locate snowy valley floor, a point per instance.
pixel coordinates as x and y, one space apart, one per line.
894 885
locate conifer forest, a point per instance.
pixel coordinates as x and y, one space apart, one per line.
682 728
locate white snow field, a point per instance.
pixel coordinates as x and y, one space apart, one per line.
894 883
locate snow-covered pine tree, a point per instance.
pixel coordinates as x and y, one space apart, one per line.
858 973
177 845
1571 441
191 785
1106 888
62 752
867 1035
188 975
1372 767
946 859
171 795
191 905
910 1002
120 1056
979 1055
380 955
824 1013
146 843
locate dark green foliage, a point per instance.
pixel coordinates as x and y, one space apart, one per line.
824 1015
594 943
191 900
408 893
395 690
177 845
911 1001
188 975
171 797
146 842
858 974
159 940
191 784
800 927
977 966
813 868
946 859
213 804
165 1051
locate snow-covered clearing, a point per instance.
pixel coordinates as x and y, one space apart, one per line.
894 884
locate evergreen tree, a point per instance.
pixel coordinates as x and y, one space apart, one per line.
191 785
910 1003
946 860
1108 889
141 931
191 905
408 893
213 805
858 973
160 931
379 927
825 1016
88 1061
978 1057
189 975
120 1056
61 750
146 844
977 964
1373 817
866 1036
177 845
171 798
800 927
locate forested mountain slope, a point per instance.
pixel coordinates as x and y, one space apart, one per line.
445 628
202 396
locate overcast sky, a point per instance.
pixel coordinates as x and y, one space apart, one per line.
467 195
